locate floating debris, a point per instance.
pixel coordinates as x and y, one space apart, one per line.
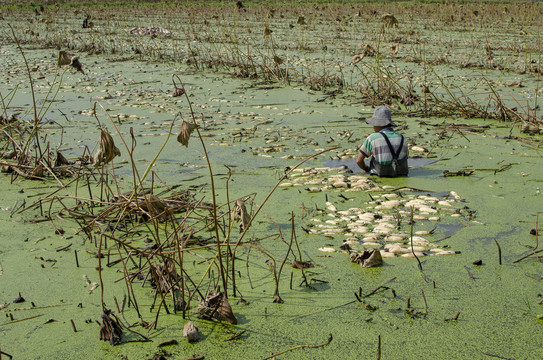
368 258
149 30
19 299
191 332
297 264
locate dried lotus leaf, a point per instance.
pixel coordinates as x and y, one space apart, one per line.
368 258
156 206
241 214
110 330
215 306
64 58
61 160
107 149
185 131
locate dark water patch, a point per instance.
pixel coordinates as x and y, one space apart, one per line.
450 229
414 163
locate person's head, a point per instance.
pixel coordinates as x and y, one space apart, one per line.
382 118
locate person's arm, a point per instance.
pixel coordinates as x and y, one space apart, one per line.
364 152
360 162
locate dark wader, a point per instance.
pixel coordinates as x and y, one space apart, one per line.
398 167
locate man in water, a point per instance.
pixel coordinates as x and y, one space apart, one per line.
386 149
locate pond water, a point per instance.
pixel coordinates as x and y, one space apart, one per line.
253 132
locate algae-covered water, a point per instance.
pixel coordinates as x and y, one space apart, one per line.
444 308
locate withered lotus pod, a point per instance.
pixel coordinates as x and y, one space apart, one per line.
107 149
185 131
301 20
215 306
178 92
267 31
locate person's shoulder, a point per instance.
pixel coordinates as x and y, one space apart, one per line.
393 133
374 136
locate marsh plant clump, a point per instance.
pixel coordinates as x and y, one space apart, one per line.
415 57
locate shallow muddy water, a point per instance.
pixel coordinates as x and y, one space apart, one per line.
258 130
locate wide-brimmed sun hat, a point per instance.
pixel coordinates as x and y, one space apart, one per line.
381 117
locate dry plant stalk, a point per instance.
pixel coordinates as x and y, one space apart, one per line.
107 151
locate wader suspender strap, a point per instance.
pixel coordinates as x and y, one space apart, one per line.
395 154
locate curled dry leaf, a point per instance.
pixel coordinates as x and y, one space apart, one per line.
191 332
215 306
185 131
164 277
38 171
367 259
277 60
110 330
240 213
65 58
389 20
156 207
107 149
61 160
